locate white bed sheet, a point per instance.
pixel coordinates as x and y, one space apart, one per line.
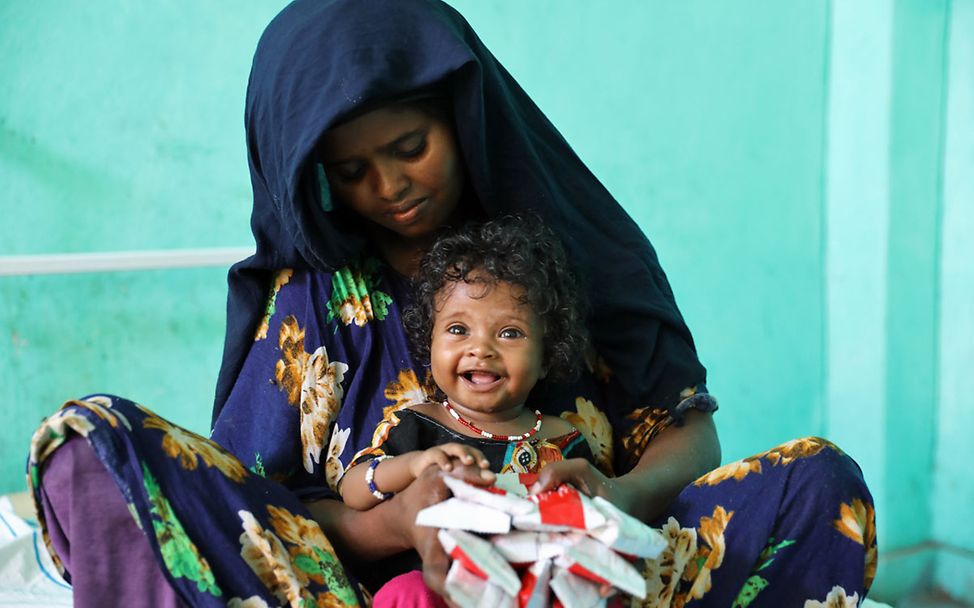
27 574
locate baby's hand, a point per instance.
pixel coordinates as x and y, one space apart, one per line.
444 455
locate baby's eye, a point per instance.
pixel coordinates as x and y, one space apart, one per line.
456 330
511 333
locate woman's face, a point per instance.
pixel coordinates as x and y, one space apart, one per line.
397 167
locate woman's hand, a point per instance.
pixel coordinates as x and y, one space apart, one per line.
429 489
586 478
676 457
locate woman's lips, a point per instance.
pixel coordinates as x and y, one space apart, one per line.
408 212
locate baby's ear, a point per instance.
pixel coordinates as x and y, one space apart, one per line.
544 372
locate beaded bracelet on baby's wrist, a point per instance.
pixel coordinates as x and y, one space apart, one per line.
370 478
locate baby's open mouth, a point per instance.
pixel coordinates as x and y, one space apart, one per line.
477 377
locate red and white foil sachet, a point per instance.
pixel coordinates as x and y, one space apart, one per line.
479 557
559 541
467 589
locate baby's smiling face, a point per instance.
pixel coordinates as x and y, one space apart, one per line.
487 349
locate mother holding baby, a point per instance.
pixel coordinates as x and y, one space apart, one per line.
372 125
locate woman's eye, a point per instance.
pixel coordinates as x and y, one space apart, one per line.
348 172
511 333
456 330
412 148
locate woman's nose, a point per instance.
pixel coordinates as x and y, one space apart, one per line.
391 183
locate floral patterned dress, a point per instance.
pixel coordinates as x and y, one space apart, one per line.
330 362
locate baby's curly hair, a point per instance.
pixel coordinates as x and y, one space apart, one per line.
519 250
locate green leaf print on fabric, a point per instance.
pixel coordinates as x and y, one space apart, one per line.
258 468
334 574
330 570
280 280
182 558
756 584
354 294
752 587
767 556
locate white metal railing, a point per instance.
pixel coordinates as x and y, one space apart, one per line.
67 263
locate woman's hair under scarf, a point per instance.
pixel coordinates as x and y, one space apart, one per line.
320 60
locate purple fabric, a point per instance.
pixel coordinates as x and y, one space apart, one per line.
123 572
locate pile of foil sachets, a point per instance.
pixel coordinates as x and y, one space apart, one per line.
557 548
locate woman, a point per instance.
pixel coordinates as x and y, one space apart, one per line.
370 126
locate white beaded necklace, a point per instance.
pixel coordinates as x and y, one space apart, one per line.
456 416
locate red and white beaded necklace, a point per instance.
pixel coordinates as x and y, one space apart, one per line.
456 416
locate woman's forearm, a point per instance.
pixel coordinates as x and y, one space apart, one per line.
673 459
361 535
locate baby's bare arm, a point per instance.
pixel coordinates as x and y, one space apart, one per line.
395 474
391 476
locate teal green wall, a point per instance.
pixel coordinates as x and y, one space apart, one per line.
953 492
805 170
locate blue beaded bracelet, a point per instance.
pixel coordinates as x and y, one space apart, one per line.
370 478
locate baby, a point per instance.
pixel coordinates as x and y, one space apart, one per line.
495 311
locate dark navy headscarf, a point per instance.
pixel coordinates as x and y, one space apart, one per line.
320 60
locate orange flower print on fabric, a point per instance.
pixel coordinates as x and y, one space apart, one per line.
287 572
593 424
281 279
266 555
382 429
857 521
837 598
368 452
190 448
711 556
101 406
334 470
663 575
649 422
314 384
321 398
690 557
289 371
406 391
311 553
734 470
781 455
54 431
788 452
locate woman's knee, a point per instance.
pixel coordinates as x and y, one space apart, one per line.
821 467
